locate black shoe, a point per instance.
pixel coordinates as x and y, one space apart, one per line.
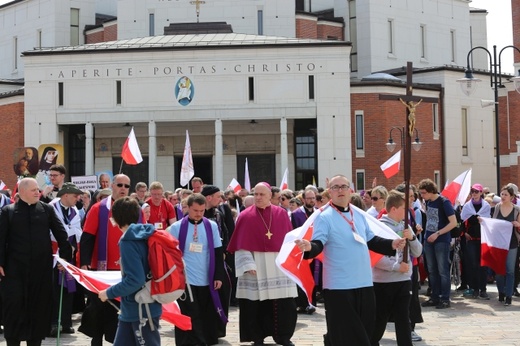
462 288
501 297
508 301
288 343
309 310
67 330
429 302
258 342
516 293
428 292
443 305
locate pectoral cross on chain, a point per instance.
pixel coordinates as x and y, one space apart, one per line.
268 234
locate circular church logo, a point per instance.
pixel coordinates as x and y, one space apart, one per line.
184 91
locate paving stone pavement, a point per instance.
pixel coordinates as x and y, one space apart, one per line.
466 322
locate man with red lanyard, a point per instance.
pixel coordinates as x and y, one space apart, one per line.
162 212
344 238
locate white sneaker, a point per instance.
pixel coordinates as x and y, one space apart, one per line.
415 336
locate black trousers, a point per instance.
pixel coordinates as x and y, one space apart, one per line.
350 316
476 275
393 299
259 319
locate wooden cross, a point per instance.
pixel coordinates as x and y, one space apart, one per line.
197 4
269 234
411 102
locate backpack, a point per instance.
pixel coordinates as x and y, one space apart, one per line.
456 231
167 280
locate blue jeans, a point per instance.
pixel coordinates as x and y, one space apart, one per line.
505 283
438 262
128 334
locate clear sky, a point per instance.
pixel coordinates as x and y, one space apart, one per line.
498 23
499 28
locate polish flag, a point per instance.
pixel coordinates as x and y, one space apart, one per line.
290 258
284 185
234 185
495 239
187 169
458 190
96 281
247 182
2 185
392 165
131 153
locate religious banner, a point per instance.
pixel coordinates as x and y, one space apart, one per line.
50 154
25 161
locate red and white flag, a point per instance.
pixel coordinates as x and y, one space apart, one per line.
247 182
495 238
187 169
2 185
131 153
96 281
458 190
290 257
284 185
392 165
234 185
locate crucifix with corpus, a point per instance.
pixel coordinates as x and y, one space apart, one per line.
411 102
197 4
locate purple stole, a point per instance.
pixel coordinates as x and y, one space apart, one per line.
70 282
178 212
183 232
102 234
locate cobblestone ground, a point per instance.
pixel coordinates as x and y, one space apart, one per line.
466 322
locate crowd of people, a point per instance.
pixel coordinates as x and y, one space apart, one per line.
230 241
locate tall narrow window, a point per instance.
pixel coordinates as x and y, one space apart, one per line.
391 36
15 53
74 26
435 118
437 178
452 47
251 85
352 27
311 87
60 94
39 38
151 24
118 92
360 133
423 41
260 18
464 134
360 179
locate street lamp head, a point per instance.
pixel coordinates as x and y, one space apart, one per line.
391 145
468 84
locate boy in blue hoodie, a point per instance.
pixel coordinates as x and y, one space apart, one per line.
133 247
392 276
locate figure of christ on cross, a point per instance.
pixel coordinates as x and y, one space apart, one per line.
411 102
197 4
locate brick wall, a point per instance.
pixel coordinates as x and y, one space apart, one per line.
330 32
379 118
306 28
12 119
515 11
109 33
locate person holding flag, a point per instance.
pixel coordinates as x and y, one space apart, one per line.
344 237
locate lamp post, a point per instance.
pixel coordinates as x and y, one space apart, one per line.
468 85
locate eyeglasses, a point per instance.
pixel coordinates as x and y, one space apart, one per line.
54 175
338 187
127 186
475 191
375 199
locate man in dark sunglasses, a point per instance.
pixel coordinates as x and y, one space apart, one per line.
100 251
